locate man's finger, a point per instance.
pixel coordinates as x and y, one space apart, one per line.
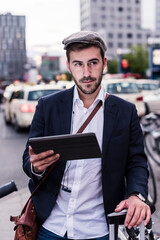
148 216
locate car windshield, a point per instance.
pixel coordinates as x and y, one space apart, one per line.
122 88
35 95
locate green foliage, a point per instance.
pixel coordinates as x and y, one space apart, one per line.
112 66
69 76
138 60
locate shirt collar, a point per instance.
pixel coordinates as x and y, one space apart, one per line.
101 96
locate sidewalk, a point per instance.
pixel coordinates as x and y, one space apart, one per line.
11 205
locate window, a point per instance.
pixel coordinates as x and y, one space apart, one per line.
35 95
121 88
17 95
120 35
129 17
103 25
120 45
110 35
94 25
103 8
129 35
139 35
120 9
129 25
103 16
110 45
120 25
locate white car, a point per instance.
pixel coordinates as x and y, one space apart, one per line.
128 90
20 106
152 102
148 86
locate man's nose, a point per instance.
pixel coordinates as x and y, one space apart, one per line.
86 71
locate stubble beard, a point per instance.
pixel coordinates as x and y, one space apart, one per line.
90 87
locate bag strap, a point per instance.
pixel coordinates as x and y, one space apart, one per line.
81 129
95 110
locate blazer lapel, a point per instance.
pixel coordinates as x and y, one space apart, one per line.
110 111
65 107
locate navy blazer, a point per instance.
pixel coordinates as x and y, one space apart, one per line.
124 163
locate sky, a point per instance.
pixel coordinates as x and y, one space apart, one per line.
47 21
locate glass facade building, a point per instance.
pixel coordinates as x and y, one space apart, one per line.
12 47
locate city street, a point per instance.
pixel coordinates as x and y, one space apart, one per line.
12 147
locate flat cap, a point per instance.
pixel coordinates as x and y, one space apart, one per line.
88 37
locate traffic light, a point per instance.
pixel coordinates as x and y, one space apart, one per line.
124 65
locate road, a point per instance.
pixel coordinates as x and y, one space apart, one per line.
11 150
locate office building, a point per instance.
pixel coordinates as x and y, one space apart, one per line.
12 47
118 21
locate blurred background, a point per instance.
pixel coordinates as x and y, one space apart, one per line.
33 64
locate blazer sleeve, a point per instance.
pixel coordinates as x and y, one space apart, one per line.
36 130
136 172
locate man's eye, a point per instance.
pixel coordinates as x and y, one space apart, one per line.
93 63
78 64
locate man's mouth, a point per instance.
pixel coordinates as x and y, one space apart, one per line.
88 80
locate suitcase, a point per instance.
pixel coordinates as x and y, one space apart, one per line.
117 219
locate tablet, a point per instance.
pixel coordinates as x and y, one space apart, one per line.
69 146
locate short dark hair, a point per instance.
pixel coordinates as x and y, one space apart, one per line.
80 46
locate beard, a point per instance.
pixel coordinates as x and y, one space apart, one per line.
89 88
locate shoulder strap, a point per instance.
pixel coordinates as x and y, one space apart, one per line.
95 110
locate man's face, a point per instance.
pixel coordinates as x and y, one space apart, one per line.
86 67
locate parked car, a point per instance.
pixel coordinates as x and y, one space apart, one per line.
152 102
20 105
128 90
148 86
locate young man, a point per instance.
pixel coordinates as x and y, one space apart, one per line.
77 196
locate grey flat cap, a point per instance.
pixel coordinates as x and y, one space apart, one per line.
89 37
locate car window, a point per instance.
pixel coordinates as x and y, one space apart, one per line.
35 95
17 95
121 88
147 86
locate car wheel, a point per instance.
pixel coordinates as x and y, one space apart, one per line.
16 126
147 108
7 122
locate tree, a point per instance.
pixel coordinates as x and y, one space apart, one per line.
138 60
112 66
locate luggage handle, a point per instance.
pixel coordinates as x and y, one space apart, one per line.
117 218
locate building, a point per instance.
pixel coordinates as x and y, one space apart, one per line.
118 21
12 47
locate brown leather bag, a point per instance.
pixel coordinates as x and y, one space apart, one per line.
26 226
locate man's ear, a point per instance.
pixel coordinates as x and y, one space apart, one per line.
67 63
104 62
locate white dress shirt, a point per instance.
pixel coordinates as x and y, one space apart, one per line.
81 211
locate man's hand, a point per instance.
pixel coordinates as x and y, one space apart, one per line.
136 213
42 160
